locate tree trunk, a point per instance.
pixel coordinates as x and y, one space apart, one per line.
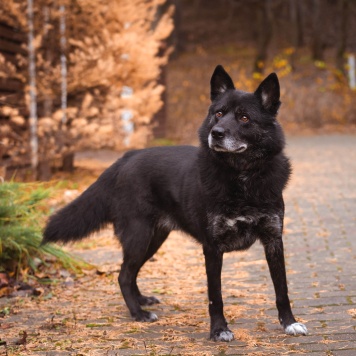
159 120
160 117
44 171
68 157
48 36
264 24
176 38
68 162
33 120
342 40
62 30
296 28
317 44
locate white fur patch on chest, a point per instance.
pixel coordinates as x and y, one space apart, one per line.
239 232
221 223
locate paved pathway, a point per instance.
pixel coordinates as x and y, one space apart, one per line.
90 318
321 241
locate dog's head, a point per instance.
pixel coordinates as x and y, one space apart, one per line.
241 123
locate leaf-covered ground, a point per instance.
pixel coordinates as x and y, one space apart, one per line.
87 316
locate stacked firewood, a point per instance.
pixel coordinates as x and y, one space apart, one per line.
114 54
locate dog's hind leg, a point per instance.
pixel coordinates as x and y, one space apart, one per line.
139 244
158 238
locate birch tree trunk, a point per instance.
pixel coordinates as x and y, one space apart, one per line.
62 30
33 120
68 156
48 38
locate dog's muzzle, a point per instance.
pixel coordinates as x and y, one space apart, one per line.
219 141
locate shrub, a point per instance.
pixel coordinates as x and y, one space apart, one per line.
22 212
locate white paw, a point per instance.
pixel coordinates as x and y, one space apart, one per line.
152 317
296 329
146 316
226 336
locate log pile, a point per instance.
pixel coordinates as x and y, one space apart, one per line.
115 53
13 125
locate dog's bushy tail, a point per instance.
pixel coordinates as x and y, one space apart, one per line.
86 214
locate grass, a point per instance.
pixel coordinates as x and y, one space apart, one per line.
23 210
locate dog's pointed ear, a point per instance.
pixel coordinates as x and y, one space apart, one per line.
268 93
220 82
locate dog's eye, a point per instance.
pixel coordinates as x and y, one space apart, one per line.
219 114
244 118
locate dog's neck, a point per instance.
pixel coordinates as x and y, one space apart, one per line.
237 163
243 177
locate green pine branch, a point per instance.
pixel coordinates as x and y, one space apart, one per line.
23 211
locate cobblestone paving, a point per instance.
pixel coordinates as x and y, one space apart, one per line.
320 246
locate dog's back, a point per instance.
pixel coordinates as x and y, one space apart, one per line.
156 183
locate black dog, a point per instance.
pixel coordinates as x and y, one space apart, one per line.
226 194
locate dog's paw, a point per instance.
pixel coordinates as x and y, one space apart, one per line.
146 316
222 335
147 300
296 329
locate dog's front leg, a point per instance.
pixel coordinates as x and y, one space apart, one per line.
275 259
218 325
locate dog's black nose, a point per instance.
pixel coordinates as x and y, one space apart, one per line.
218 132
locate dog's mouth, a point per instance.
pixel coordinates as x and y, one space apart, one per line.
227 145
219 148
241 148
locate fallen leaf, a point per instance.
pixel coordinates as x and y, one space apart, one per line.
23 339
